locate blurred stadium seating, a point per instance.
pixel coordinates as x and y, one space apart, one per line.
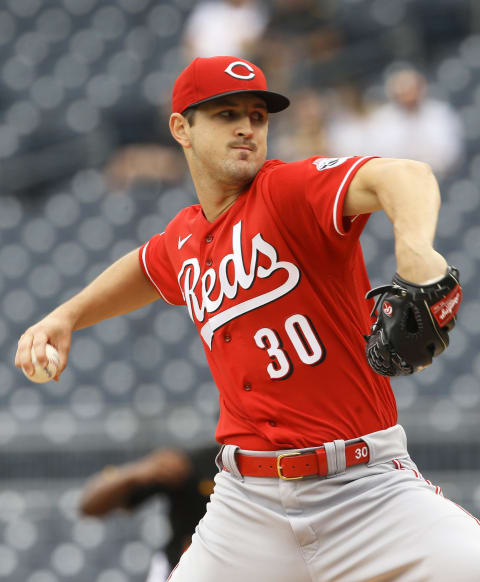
68 70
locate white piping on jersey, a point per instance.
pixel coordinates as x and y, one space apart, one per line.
339 191
148 273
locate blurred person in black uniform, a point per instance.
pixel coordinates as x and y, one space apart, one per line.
185 478
143 148
299 35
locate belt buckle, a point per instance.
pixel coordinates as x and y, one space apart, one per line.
279 467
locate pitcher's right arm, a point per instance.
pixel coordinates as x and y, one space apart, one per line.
120 289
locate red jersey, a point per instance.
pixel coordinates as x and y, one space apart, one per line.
275 286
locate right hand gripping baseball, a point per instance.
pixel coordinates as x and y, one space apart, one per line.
50 330
413 323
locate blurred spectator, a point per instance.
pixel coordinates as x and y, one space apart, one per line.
350 126
147 162
186 479
441 23
299 36
412 125
302 133
223 27
145 148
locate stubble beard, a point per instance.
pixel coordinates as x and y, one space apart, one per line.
238 172
233 171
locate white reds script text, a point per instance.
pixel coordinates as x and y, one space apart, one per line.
197 289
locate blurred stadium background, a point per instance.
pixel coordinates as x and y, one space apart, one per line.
87 173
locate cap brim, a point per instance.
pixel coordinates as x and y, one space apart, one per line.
274 101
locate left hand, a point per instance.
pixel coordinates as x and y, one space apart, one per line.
418 264
413 323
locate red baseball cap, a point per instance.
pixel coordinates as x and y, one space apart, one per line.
209 78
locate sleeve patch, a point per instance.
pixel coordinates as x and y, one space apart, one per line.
327 163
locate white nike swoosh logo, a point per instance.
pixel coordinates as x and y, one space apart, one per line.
182 241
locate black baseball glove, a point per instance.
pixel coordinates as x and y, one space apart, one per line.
412 323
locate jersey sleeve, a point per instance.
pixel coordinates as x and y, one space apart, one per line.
316 187
327 183
158 269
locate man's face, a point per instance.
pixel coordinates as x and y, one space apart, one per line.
229 138
407 89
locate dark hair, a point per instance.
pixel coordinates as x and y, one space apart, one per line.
189 114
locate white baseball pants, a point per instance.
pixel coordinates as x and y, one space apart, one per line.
380 522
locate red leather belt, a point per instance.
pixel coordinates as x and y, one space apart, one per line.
295 465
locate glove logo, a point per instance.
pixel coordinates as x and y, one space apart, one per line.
387 309
446 309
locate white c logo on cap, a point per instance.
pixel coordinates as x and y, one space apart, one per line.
229 71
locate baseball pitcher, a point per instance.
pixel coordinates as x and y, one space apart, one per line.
315 482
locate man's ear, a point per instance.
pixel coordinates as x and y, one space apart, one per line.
180 129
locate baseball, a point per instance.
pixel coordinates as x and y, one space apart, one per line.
41 375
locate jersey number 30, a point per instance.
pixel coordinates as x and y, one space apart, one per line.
304 338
